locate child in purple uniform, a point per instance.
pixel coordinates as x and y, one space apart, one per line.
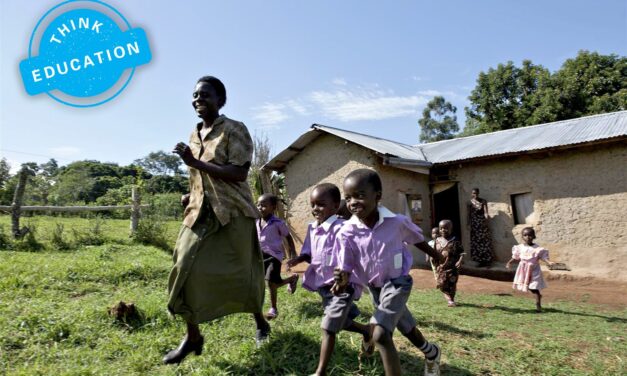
373 246
271 231
318 251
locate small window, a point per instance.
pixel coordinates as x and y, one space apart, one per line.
522 208
414 206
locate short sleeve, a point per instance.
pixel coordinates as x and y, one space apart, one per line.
283 230
306 250
240 147
344 253
515 253
543 254
410 232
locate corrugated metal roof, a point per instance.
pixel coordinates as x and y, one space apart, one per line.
536 137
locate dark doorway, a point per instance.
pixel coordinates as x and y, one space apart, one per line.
446 206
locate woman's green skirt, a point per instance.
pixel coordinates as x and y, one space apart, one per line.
218 270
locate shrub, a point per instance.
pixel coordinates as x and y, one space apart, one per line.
29 242
58 241
152 231
93 236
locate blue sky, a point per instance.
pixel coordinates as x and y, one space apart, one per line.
366 66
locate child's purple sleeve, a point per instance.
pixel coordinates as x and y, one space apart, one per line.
411 233
283 230
306 250
543 254
344 253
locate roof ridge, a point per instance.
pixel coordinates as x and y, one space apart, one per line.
419 146
316 125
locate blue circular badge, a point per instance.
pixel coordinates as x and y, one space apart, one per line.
83 55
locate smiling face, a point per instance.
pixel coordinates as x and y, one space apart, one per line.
205 100
265 207
361 198
446 228
322 205
528 236
435 232
475 193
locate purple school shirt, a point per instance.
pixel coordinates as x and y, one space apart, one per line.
379 254
271 236
318 244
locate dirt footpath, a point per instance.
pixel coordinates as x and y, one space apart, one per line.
609 294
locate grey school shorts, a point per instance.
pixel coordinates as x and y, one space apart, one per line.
339 310
390 303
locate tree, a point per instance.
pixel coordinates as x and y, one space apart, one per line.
5 171
511 97
439 121
161 163
505 97
258 179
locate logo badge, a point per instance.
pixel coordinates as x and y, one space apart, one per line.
85 55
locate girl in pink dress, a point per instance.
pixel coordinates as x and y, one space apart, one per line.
529 275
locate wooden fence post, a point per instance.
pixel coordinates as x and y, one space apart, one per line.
17 204
135 211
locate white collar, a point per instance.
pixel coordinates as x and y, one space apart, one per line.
383 213
326 225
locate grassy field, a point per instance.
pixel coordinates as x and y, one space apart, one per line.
54 321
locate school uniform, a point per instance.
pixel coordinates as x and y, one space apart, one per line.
380 260
271 241
339 310
218 268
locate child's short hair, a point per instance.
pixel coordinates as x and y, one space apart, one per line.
217 85
370 176
533 232
330 189
272 199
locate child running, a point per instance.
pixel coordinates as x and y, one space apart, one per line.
529 274
271 231
373 246
451 253
435 232
318 251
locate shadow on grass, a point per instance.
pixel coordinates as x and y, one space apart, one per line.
547 310
310 309
453 329
294 353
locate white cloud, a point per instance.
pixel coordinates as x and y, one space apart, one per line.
65 151
365 104
269 115
339 82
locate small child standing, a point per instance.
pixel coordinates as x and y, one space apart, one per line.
529 274
373 246
452 253
318 251
271 231
435 232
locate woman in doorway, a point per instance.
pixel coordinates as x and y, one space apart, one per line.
480 239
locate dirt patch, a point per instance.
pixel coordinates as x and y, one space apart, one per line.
610 294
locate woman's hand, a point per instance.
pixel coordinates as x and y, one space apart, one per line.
185 200
185 153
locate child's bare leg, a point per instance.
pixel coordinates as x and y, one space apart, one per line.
417 339
273 292
326 350
389 355
538 300
261 322
363 329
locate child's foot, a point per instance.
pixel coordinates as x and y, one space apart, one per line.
272 314
452 303
432 367
291 288
538 308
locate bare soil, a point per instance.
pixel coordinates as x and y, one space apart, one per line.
610 294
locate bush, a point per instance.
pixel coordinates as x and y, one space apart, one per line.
166 205
58 241
29 242
93 236
5 240
152 231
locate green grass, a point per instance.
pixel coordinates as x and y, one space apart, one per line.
54 321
